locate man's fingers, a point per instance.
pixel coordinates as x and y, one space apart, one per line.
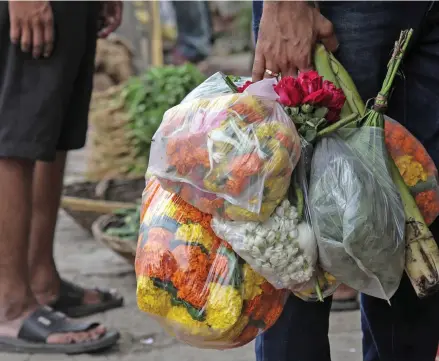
258 66
37 40
290 71
271 70
26 37
331 43
15 32
48 38
326 34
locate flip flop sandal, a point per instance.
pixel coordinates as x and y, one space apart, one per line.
44 322
71 301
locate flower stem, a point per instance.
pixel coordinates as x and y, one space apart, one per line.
338 125
319 291
231 84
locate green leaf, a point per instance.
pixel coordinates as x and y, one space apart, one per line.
320 112
310 135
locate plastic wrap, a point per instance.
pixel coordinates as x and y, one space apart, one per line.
416 168
229 155
192 282
282 249
357 212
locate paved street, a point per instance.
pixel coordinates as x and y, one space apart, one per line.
83 260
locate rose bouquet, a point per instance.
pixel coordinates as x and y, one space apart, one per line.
192 282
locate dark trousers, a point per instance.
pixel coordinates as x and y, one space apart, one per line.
408 330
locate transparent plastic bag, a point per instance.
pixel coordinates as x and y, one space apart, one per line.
357 212
192 282
283 249
240 148
415 166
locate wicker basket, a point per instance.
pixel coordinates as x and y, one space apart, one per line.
124 248
86 201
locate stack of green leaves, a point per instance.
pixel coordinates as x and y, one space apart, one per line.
148 96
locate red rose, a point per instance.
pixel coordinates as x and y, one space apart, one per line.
319 97
338 99
290 92
333 115
310 81
245 86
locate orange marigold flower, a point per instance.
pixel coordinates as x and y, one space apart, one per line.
160 235
248 334
249 113
246 165
428 203
235 186
219 266
155 260
195 293
210 206
202 157
191 258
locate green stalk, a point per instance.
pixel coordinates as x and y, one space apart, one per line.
353 98
338 125
231 84
422 253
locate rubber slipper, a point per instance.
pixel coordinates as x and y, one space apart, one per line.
45 322
71 301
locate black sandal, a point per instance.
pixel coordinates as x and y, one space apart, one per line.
44 322
71 301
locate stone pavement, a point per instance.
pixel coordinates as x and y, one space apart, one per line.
83 260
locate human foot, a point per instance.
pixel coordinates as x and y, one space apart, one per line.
40 329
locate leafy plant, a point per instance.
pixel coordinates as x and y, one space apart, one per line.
127 224
148 96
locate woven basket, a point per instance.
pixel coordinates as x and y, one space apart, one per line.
86 201
124 248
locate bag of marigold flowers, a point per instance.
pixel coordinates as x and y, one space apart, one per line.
415 166
283 249
231 155
192 282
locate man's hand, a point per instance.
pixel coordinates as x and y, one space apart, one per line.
287 34
111 16
32 26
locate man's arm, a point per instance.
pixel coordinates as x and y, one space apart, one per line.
287 34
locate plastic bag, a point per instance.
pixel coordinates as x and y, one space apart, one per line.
283 249
415 166
192 282
357 212
237 148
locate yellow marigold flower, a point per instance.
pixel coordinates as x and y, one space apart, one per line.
240 214
252 282
411 170
180 316
223 102
169 209
265 130
236 330
252 102
194 233
151 299
279 160
276 188
224 307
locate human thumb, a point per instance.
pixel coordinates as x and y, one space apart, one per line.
325 32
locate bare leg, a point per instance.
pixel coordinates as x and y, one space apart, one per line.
16 298
47 188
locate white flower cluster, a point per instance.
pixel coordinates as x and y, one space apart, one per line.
281 249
